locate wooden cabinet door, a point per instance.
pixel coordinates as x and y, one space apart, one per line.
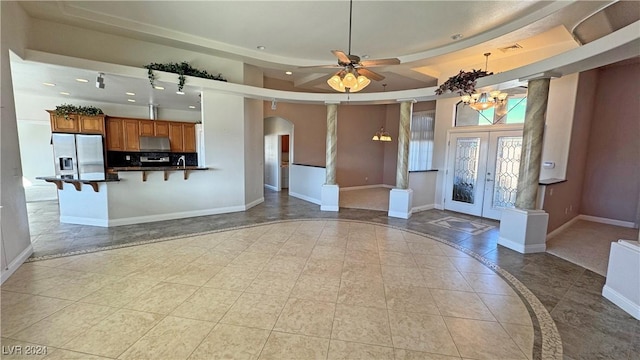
175 137
131 137
115 141
64 125
91 124
161 128
189 136
146 128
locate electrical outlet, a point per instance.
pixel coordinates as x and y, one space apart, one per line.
566 210
570 208
550 191
366 178
127 157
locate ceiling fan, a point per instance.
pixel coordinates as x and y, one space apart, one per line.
354 75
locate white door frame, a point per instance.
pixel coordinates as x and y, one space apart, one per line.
481 177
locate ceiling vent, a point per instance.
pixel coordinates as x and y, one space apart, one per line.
607 20
510 48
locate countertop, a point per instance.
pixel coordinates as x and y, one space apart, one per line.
157 168
68 180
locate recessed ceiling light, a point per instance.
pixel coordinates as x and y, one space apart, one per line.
158 87
64 93
48 84
131 100
191 107
179 93
82 80
130 93
457 36
288 72
260 47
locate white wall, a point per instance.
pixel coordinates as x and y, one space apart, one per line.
423 184
559 120
253 140
305 182
36 150
16 243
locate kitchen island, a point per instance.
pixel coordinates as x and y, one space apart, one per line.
132 195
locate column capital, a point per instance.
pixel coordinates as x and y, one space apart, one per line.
405 100
542 75
332 102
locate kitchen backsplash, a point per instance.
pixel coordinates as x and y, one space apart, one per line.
119 158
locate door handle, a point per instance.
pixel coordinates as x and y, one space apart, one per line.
489 180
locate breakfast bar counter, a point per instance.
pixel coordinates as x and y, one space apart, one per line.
165 169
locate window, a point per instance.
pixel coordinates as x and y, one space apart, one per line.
511 113
421 144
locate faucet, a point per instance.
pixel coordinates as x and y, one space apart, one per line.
181 158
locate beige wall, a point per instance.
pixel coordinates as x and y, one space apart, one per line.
612 175
562 201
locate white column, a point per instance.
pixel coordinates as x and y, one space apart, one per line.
331 190
400 197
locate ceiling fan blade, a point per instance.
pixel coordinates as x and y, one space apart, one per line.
342 57
380 62
370 74
320 67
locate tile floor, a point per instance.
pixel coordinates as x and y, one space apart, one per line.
590 326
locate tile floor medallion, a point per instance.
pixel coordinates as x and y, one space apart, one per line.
464 225
292 289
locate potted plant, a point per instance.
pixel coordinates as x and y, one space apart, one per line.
462 83
181 69
65 110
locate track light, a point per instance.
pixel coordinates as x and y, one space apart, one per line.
274 104
100 81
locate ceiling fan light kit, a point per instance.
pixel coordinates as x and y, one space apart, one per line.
354 76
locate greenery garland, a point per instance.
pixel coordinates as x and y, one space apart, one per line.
68 109
181 69
463 83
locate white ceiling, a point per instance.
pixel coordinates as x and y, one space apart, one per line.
302 33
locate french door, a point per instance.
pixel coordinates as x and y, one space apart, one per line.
482 172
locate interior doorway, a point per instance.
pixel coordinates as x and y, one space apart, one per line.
284 161
482 172
278 152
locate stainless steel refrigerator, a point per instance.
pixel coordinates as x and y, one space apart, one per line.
78 156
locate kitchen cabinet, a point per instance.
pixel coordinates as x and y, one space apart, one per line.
115 141
176 139
147 128
77 124
161 128
131 138
189 136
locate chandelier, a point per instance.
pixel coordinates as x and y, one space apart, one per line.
484 100
348 80
381 135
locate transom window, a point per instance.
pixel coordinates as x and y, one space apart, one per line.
512 112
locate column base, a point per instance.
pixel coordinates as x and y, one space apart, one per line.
624 264
330 198
400 203
524 231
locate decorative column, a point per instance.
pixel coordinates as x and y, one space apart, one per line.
331 190
524 229
400 197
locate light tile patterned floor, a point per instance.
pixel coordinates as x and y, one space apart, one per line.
289 290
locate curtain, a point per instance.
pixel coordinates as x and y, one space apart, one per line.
421 144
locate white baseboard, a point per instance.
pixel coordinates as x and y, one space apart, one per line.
305 198
562 228
271 187
329 208
521 248
438 206
179 215
625 304
399 214
15 264
84 221
627 224
350 188
422 208
254 203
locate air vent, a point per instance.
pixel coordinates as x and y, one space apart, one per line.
513 47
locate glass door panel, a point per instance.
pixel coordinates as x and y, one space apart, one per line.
465 173
503 168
